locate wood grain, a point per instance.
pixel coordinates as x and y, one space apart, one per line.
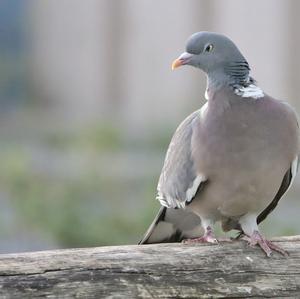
226 270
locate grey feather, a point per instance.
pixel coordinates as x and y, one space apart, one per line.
179 180
285 185
172 225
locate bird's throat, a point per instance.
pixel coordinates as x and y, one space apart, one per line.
244 87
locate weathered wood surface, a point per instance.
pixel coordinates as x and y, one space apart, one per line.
230 270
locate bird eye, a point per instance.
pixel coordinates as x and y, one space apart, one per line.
208 48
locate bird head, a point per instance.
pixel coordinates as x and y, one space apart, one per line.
213 53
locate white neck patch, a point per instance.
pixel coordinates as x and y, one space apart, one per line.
206 94
251 91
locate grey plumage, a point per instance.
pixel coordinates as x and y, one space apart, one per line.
232 160
179 171
172 225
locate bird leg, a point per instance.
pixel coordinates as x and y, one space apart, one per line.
267 246
208 237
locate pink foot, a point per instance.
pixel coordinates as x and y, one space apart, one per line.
208 237
277 248
267 246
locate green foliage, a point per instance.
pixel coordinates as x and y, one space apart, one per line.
98 137
82 204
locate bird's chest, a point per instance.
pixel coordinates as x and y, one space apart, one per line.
237 137
236 152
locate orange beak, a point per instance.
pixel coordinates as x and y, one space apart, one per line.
183 59
177 63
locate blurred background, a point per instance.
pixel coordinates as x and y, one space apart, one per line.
88 104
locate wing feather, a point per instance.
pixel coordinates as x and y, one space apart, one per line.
284 187
179 179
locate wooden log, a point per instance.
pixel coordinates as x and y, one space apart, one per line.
225 270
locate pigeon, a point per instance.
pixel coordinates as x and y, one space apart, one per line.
230 161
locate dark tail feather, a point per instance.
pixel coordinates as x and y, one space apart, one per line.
153 229
172 225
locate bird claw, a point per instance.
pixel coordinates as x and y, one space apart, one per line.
277 248
203 239
267 246
208 237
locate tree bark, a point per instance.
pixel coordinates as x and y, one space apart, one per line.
229 269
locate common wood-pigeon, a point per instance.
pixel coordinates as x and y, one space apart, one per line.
230 161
